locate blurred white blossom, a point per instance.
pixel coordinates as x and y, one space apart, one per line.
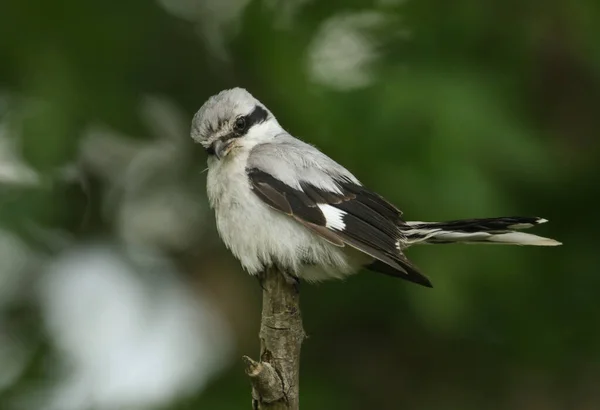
218 21
148 197
13 170
131 335
285 11
15 110
14 354
15 258
343 51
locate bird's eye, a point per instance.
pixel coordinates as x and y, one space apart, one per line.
240 124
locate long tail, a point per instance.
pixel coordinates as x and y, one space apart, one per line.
485 230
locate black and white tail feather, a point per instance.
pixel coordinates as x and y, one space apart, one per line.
280 201
503 230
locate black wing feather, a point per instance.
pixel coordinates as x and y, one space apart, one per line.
374 201
286 199
485 224
371 217
273 198
371 223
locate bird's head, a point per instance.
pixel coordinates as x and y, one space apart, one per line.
232 121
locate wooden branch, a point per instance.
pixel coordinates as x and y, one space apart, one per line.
275 378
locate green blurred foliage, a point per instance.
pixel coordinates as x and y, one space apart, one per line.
484 109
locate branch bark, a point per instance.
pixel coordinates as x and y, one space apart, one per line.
275 378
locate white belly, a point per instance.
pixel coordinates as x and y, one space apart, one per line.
259 236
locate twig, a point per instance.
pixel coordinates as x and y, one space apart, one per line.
275 378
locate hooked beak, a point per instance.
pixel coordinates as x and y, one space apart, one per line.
222 147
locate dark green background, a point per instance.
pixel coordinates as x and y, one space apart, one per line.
484 109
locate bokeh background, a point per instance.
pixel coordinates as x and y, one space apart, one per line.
115 291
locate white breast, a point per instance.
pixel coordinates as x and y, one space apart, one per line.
259 236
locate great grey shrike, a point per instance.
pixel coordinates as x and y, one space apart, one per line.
280 201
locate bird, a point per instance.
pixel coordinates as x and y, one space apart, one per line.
281 202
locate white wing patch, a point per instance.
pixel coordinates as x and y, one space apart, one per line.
334 217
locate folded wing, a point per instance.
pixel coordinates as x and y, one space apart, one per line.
328 200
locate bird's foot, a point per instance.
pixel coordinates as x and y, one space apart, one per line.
291 280
261 276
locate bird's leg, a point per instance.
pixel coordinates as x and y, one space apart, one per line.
260 276
291 280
